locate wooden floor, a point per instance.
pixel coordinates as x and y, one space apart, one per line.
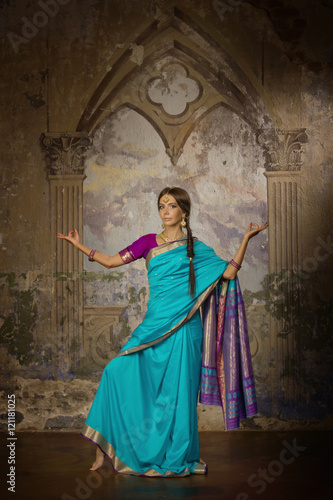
242 465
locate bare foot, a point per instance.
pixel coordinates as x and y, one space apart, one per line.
99 459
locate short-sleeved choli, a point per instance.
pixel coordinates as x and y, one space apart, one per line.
139 248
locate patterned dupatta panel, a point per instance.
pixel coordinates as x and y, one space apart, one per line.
227 375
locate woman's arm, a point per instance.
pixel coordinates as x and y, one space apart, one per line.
231 269
103 259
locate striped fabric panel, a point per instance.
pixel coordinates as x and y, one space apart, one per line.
209 388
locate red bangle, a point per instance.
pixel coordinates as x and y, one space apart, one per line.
91 255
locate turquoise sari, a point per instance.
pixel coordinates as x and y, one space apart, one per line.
144 415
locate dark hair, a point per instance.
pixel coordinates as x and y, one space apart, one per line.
184 201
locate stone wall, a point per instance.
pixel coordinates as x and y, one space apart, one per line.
104 104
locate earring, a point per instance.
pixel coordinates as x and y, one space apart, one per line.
183 222
163 225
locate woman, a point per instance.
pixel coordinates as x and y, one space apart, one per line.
144 414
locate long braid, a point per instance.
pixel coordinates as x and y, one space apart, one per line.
190 254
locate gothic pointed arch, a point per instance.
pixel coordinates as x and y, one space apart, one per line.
176 49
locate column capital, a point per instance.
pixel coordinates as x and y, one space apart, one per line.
283 148
65 152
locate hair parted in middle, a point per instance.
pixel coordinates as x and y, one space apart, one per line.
184 201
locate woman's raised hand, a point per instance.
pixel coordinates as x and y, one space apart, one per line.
72 237
254 229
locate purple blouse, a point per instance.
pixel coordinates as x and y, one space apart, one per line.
139 248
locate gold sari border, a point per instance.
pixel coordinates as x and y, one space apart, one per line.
120 467
220 359
190 314
166 247
97 438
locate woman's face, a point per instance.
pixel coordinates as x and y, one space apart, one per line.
169 210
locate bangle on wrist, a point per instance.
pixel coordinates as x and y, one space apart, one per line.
91 255
233 263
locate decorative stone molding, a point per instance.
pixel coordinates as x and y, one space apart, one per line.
174 153
99 342
184 70
66 152
174 90
283 148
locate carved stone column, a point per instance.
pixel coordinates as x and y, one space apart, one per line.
65 154
283 151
